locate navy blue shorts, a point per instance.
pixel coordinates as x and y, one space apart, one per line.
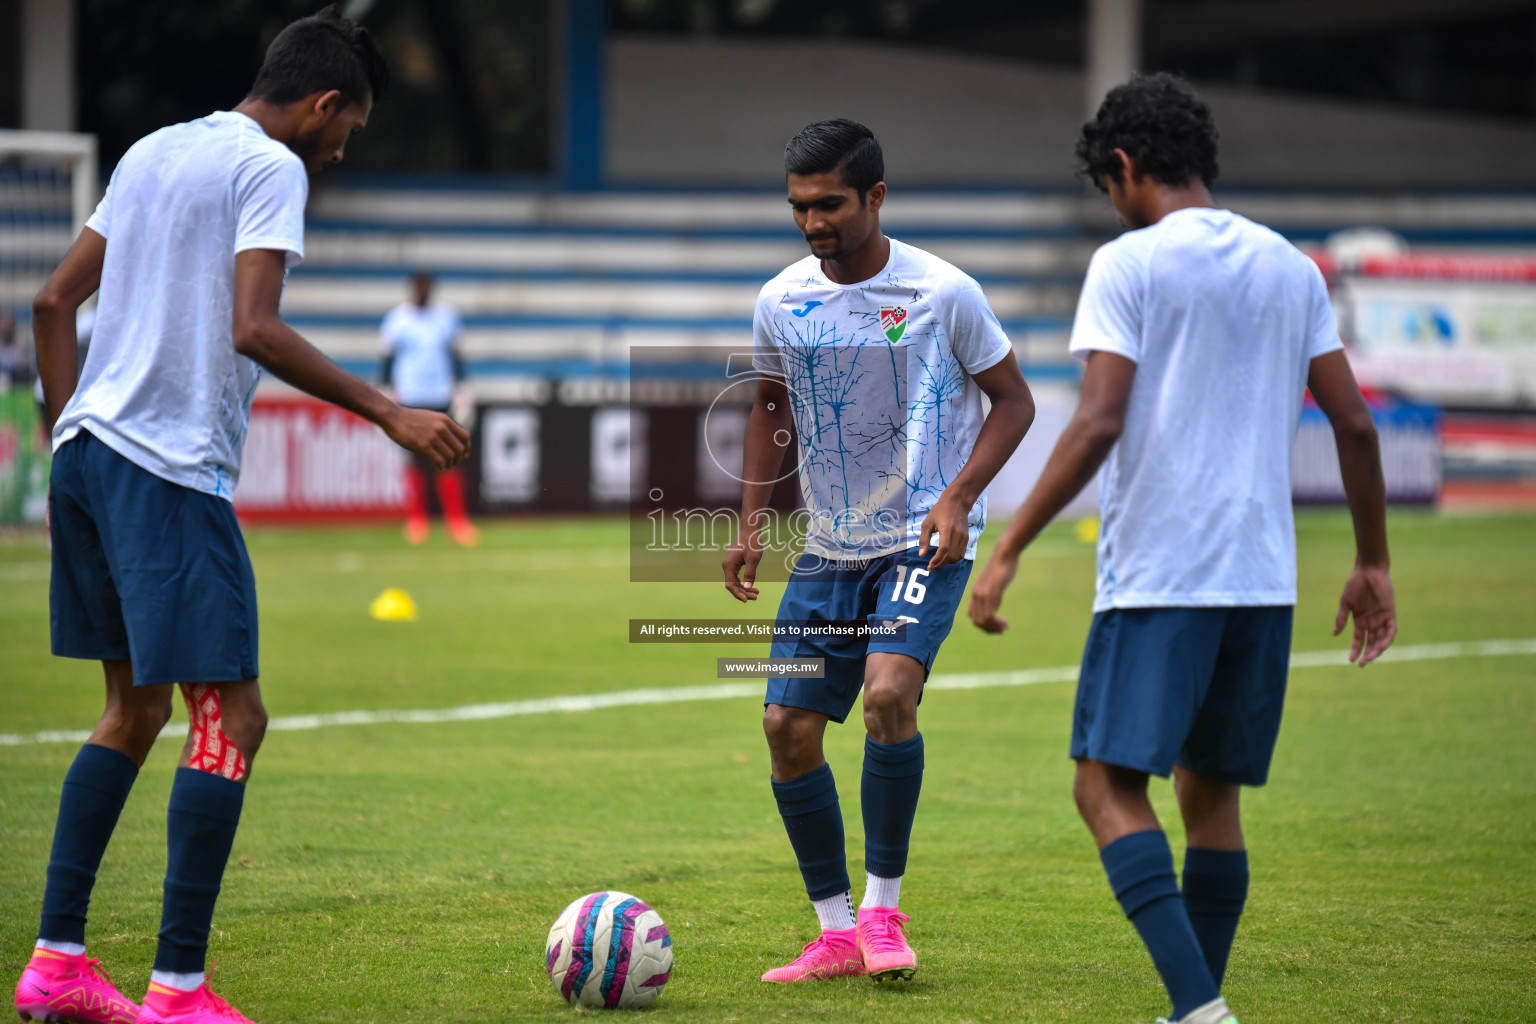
1202 688
894 588
147 571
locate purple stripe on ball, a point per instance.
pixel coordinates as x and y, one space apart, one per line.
624 923
581 947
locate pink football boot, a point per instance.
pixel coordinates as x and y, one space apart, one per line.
883 946
830 955
165 1005
60 987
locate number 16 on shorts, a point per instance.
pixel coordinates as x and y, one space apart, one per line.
915 590
922 600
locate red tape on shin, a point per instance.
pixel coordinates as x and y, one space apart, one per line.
212 751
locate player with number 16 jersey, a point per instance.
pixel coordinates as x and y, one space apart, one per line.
875 355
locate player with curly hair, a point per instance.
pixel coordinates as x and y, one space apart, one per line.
1200 331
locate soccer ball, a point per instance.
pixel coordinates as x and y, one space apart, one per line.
609 950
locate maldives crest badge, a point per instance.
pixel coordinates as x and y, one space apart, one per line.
893 321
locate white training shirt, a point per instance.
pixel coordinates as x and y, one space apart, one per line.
162 385
421 340
879 375
1222 317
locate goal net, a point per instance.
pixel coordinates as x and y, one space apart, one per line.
48 188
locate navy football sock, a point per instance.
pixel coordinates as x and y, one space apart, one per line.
893 777
200 828
95 789
1140 869
814 822
1215 888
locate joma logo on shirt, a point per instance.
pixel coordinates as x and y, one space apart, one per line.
893 321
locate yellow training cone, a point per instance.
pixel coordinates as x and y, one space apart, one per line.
1087 530
394 605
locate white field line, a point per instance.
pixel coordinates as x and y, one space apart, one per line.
727 691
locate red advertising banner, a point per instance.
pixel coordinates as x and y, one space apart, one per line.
306 461
1438 266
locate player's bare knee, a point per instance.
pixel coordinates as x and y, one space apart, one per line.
247 727
889 709
1082 794
784 729
1211 810
1089 790
777 725
881 699
151 717
138 720
794 741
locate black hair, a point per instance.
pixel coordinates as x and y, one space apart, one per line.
321 52
1160 123
837 145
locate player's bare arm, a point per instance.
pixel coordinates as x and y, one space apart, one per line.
261 335
1079 453
53 319
1367 593
769 426
1012 412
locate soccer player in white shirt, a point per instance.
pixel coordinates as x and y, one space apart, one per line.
422 367
1200 331
876 354
190 249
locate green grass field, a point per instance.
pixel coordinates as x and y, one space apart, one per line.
409 872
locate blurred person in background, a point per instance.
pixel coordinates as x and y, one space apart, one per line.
423 369
10 351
